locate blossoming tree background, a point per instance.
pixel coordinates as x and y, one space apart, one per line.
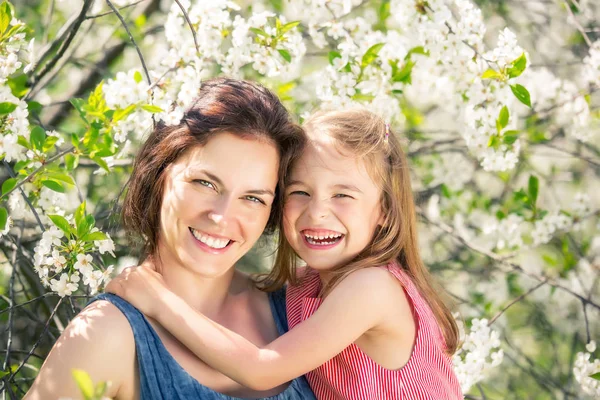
497 101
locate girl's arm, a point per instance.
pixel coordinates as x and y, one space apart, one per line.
359 303
99 341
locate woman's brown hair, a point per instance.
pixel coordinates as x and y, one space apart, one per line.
238 107
366 136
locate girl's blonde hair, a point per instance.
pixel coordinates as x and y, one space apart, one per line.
369 138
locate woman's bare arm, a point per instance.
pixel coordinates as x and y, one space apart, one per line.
99 341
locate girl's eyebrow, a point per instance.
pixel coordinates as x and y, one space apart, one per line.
351 188
339 186
294 182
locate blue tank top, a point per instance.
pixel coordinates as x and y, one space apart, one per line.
161 377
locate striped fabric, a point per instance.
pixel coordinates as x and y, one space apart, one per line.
352 375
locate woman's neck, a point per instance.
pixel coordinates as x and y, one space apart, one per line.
208 295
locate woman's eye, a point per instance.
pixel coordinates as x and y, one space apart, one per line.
205 183
255 199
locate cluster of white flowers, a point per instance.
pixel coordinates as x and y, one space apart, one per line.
545 228
584 367
16 125
591 65
480 352
563 101
16 121
54 256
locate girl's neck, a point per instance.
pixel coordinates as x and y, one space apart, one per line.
208 295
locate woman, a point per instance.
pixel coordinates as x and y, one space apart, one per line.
201 195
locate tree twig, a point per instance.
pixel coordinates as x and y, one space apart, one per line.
63 48
110 4
189 22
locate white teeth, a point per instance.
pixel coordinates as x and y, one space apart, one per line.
209 240
323 240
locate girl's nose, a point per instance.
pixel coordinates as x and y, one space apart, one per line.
318 209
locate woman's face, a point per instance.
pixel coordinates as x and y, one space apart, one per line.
216 203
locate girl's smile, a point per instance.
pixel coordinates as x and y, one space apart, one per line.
321 239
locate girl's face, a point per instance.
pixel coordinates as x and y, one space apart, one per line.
332 206
216 202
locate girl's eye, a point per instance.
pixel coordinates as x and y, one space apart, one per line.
255 199
298 193
205 183
342 196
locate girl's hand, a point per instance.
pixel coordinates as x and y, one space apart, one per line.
143 287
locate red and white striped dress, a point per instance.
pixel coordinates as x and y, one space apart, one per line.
352 375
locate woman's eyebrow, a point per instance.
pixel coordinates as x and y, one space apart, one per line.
219 182
262 192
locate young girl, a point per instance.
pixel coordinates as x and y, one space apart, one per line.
365 320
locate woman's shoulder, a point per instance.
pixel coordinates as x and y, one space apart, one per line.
99 341
105 327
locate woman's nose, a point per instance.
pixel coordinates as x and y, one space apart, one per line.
220 211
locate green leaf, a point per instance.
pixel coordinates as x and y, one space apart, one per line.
285 54
49 143
138 77
5 16
446 191
416 50
120 114
510 137
38 137
80 213
60 176
152 108
405 74
75 140
71 161
8 185
90 237
595 376
371 54
259 32
61 223
34 107
493 141
518 66
7 108
79 104
85 225
521 94
84 382
101 163
287 27
363 97
532 190
491 74
3 218
24 142
503 117
53 185
18 85
333 55
101 388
